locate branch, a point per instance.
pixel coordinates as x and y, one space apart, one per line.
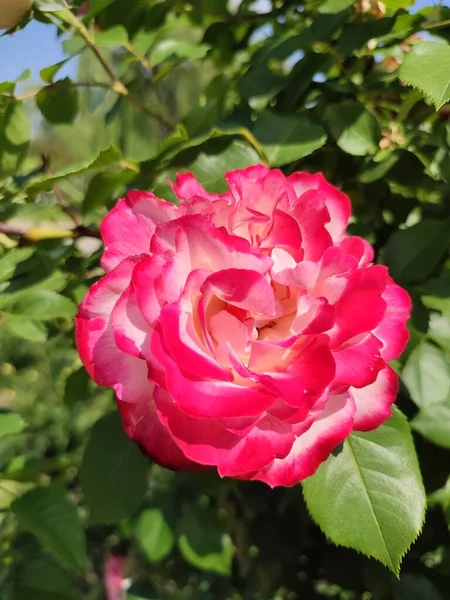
116 84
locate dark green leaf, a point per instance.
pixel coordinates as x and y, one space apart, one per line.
10 261
43 579
47 514
76 387
411 254
58 102
287 138
103 187
14 135
426 374
203 542
354 128
113 472
370 497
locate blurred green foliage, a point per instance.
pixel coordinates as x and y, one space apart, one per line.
208 86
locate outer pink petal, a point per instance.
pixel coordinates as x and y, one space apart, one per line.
188 188
142 425
392 330
208 442
374 402
128 228
104 361
358 362
337 202
312 447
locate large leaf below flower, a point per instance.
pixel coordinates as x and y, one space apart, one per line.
370 496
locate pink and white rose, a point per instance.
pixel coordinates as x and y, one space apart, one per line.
243 331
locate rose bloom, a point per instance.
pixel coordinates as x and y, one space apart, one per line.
243 331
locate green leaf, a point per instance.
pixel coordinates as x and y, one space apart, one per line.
113 473
106 158
95 8
110 38
415 587
45 305
14 135
10 424
43 579
427 68
331 7
370 496
286 138
411 254
103 187
26 327
433 422
354 128
203 541
11 260
154 534
51 5
76 388
210 168
171 48
48 73
48 515
426 374
58 102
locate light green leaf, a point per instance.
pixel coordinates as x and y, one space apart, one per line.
171 48
26 327
45 305
354 128
51 5
110 38
111 156
154 534
58 102
48 514
427 68
426 374
113 473
10 424
203 541
370 496
331 7
286 138
48 73
411 254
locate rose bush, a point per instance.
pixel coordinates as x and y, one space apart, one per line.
245 330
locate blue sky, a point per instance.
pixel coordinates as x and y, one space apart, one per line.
37 46
34 47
